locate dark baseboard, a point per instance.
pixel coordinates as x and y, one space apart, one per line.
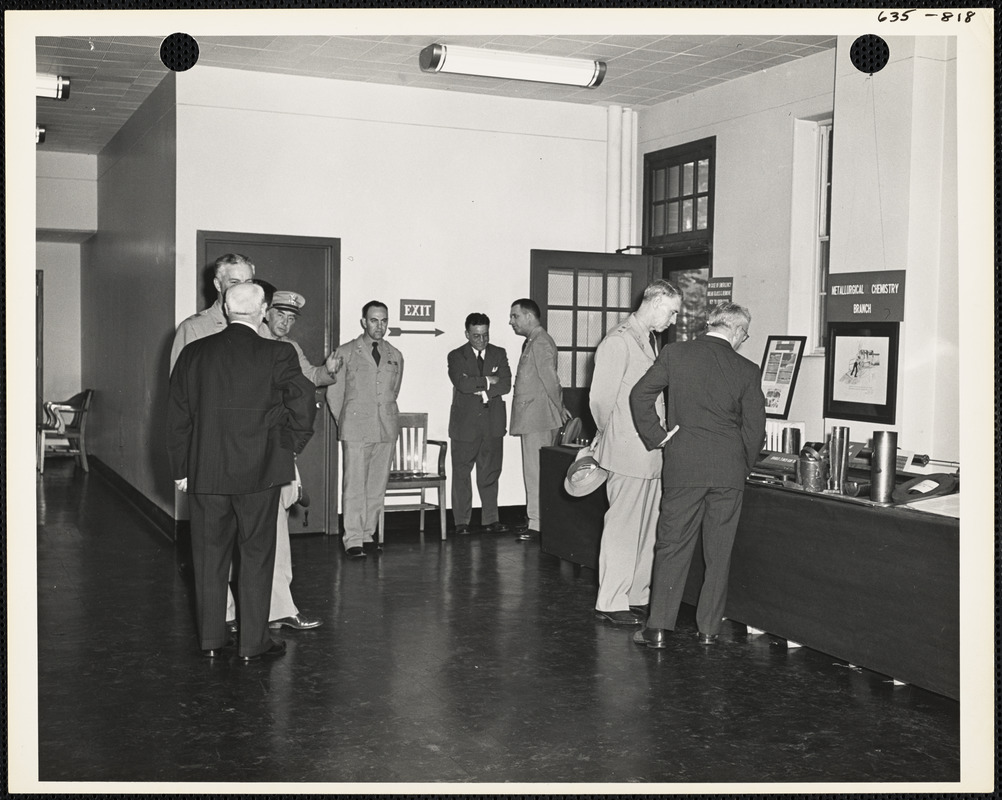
161 520
179 531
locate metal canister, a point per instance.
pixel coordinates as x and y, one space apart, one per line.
811 470
883 466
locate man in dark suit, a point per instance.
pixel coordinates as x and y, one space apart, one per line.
240 409
480 378
715 398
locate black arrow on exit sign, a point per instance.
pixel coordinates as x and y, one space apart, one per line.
401 332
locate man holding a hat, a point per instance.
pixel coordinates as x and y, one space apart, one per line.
633 484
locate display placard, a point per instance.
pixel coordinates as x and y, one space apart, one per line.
866 296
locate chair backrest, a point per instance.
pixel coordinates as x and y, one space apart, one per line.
80 404
412 444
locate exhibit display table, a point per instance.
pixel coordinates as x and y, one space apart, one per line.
878 587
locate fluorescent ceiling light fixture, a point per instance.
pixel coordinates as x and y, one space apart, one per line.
513 66
39 134
54 86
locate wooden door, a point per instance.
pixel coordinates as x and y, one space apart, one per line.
309 266
581 296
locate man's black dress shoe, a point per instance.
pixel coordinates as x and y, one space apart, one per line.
372 547
620 617
218 652
527 534
231 626
707 638
496 527
641 610
462 530
277 649
355 552
652 637
298 622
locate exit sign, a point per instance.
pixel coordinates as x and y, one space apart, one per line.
417 310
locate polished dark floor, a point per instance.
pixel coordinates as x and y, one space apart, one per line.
474 660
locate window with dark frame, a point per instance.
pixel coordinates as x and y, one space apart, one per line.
582 306
823 239
678 195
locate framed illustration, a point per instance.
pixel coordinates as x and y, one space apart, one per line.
861 371
780 367
691 319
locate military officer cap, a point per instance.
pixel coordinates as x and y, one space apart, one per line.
288 301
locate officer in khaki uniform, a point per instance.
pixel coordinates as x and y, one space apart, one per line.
626 553
364 403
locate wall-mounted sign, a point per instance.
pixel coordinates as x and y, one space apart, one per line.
417 310
867 296
719 290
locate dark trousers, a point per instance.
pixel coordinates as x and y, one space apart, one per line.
487 455
218 523
683 512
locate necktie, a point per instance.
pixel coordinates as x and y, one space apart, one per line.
525 344
480 362
654 345
375 352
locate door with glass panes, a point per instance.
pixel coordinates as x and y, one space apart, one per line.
581 297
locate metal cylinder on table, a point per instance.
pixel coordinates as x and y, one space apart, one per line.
883 466
791 440
838 454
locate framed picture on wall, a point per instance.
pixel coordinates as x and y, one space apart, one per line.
691 320
861 371
780 367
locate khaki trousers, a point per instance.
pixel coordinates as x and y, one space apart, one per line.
366 471
532 443
627 550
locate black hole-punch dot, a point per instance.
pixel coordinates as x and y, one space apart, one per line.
179 52
869 53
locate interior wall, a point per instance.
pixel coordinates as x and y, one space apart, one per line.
754 121
894 207
127 278
66 192
60 266
434 196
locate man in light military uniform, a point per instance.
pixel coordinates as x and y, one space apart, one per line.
626 554
282 313
364 403
285 308
231 269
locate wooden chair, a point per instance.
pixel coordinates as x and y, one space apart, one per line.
63 432
409 477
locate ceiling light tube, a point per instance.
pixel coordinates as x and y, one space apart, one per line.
513 66
54 86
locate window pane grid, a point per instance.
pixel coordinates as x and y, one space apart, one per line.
679 193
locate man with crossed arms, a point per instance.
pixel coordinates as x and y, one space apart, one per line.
480 378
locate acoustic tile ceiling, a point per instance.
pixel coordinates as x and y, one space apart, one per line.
112 76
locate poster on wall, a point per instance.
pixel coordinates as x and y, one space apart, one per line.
780 367
861 367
